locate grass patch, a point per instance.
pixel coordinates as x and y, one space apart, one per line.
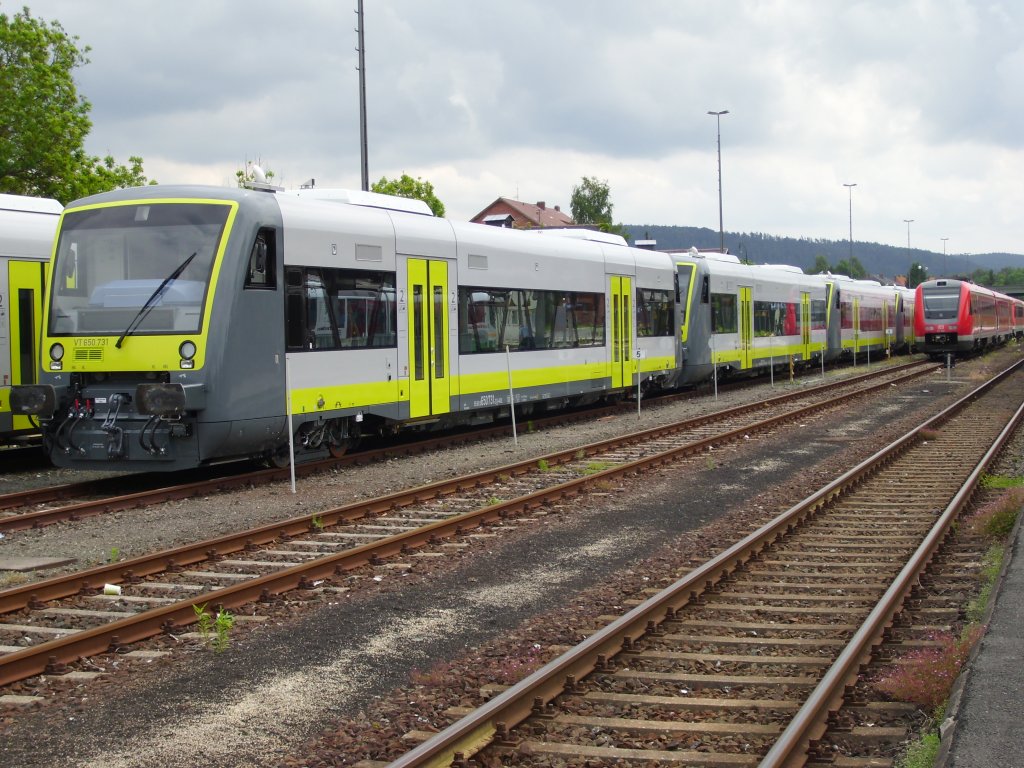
922 753
996 518
992 563
1001 482
593 467
12 579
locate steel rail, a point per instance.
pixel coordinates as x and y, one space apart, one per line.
494 719
21 664
64 586
810 721
39 518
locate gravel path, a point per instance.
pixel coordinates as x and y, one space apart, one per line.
342 680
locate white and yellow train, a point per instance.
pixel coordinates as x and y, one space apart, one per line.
27 227
190 325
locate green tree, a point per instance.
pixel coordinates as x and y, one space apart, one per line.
43 118
415 189
857 271
918 274
591 205
591 202
820 265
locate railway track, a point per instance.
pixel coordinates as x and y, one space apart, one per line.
48 624
752 658
45 506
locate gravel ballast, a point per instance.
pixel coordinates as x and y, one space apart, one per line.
343 677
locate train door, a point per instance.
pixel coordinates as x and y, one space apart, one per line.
25 292
746 327
429 377
622 331
856 325
805 325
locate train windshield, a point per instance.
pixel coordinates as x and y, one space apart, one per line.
940 303
111 261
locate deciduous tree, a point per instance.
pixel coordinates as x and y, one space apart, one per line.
415 189
43 118
590 204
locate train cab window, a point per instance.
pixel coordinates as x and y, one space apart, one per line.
262 268
941 303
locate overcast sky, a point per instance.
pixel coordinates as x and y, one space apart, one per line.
920 104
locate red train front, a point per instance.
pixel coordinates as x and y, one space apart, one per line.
956 316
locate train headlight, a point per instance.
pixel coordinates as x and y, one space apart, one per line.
57 352
33 400
187 350
160 399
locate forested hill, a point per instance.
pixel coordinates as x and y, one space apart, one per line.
879 260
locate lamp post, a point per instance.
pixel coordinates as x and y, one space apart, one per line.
909 265
363 151
944 239
721 227
850 187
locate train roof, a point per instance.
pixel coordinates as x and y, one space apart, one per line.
27 204
27 226
365 199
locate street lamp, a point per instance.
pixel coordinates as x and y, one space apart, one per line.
850 187
721 227
944 239
909 265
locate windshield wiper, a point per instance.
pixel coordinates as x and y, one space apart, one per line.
153 298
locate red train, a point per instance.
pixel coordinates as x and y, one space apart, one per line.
959 317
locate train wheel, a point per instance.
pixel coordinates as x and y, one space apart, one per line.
279 458
340 448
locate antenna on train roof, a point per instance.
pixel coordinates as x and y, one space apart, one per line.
258 180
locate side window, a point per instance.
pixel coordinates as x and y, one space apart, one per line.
262 271
295 303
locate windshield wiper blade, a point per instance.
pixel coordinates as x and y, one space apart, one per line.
151 301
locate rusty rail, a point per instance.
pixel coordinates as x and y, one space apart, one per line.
532 695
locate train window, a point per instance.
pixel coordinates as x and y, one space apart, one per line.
705 289
653 312
940 304
684 279
492 318
723 313
320 328
846 314
262 272
439 328
776 318
417 333
26 342
111 259
295 326
818 314
341 309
